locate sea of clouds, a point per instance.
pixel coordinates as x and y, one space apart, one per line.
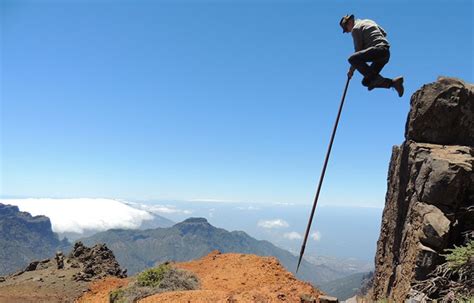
83 214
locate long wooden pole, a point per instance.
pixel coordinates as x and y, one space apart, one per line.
322 174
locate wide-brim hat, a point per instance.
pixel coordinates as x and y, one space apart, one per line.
344 21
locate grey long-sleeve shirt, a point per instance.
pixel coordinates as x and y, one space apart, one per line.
366 33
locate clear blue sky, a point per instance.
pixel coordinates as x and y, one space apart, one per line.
226 100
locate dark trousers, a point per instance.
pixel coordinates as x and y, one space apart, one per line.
379 56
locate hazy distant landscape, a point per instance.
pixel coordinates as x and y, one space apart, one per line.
338 232
344 232
143 238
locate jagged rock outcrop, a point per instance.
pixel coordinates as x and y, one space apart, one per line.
91 263
430 197
97 262
61 278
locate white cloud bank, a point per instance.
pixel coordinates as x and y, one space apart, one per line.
78 215
273 223
213 200
292 236
162 209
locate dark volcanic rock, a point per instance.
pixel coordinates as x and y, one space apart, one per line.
442 113
430 195
92 263
98 262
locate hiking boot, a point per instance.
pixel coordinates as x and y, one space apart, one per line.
397 84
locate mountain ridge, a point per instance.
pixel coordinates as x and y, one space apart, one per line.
194 238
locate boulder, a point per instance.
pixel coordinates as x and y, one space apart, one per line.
435 225
442 113
97 262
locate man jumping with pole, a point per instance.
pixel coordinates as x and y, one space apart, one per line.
371 45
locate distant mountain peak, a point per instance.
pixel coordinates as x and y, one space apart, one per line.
193 225
12 211
195 220
8 209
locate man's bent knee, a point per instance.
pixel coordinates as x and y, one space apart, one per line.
354 59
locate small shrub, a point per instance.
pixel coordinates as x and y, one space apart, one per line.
152 277
152 281
117 296
452 280
178 279
459 255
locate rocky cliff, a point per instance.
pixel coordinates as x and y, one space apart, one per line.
429 203
24 237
